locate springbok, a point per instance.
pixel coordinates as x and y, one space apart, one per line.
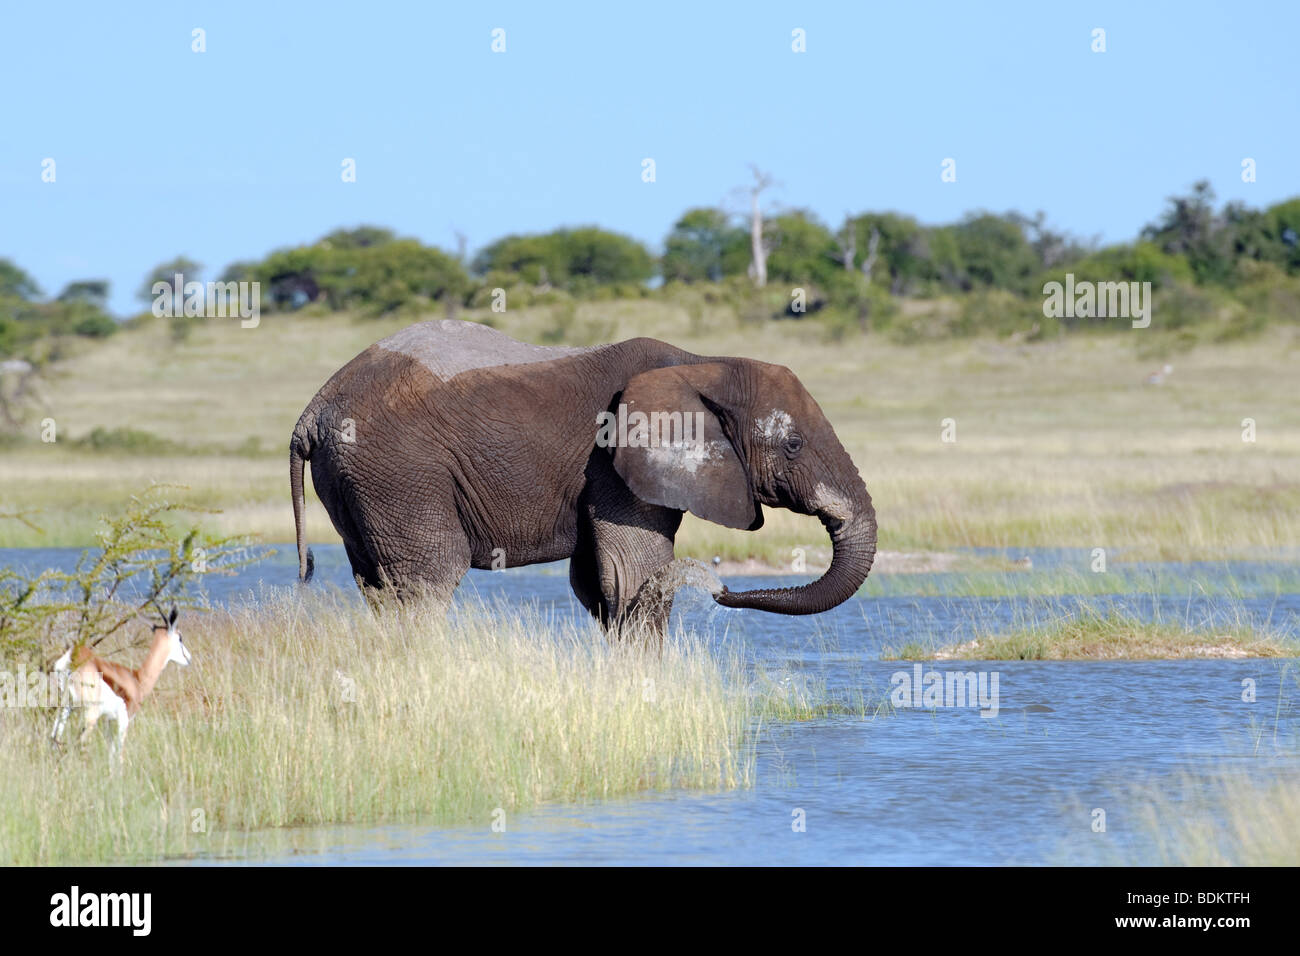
1158 377
106 689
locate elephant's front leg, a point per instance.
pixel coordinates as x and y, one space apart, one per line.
622 542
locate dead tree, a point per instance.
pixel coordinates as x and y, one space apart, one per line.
758 243
452 303
14 403
873 244
847 241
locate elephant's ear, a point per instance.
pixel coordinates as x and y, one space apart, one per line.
671 449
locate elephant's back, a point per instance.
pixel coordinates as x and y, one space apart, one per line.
405 380
448 348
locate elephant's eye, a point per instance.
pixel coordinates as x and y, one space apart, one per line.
792 445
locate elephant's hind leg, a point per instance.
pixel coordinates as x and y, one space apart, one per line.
423 564
364 571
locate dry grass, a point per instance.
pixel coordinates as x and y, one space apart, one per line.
295 715
1057 444
1234 821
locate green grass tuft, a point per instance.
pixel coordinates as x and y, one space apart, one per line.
1106 635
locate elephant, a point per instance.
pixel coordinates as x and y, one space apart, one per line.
450 445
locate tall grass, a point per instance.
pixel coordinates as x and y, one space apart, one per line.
294 714
1233 820
1240 814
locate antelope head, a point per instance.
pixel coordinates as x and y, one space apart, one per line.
177 652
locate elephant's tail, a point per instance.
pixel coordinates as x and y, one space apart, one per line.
299 452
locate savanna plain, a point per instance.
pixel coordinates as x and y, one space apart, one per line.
1000 469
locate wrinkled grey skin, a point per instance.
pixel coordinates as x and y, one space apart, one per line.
467 443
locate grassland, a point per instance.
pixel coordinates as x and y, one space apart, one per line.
346 716
1058 443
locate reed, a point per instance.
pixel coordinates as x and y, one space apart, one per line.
296 714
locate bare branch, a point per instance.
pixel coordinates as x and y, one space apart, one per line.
759 244
872 245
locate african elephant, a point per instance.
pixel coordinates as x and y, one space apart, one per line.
449 444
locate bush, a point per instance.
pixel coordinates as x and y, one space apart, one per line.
131 440
566 329
98 326
993 252
140 562
24 323
517 295
1182 305
998 312
572 259
704 246
1142 262
1265 290
803 250
374 277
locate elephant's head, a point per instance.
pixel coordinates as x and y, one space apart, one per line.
764 442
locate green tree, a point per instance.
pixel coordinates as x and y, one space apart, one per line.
373 276
359 238
1137 262
569 258
535 259
166 272
902 262
943 253
241 270
381 278
291 278
82 309
1283 221
1190 228
705 245
1269 235
994 252
803 249
15 283
1052 248
92 292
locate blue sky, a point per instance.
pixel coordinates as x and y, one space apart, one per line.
228 154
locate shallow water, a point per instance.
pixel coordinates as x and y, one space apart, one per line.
941 787
914 786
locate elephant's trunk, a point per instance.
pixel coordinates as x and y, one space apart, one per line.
853 540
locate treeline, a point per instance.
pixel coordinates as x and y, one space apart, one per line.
1233 265
81 309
